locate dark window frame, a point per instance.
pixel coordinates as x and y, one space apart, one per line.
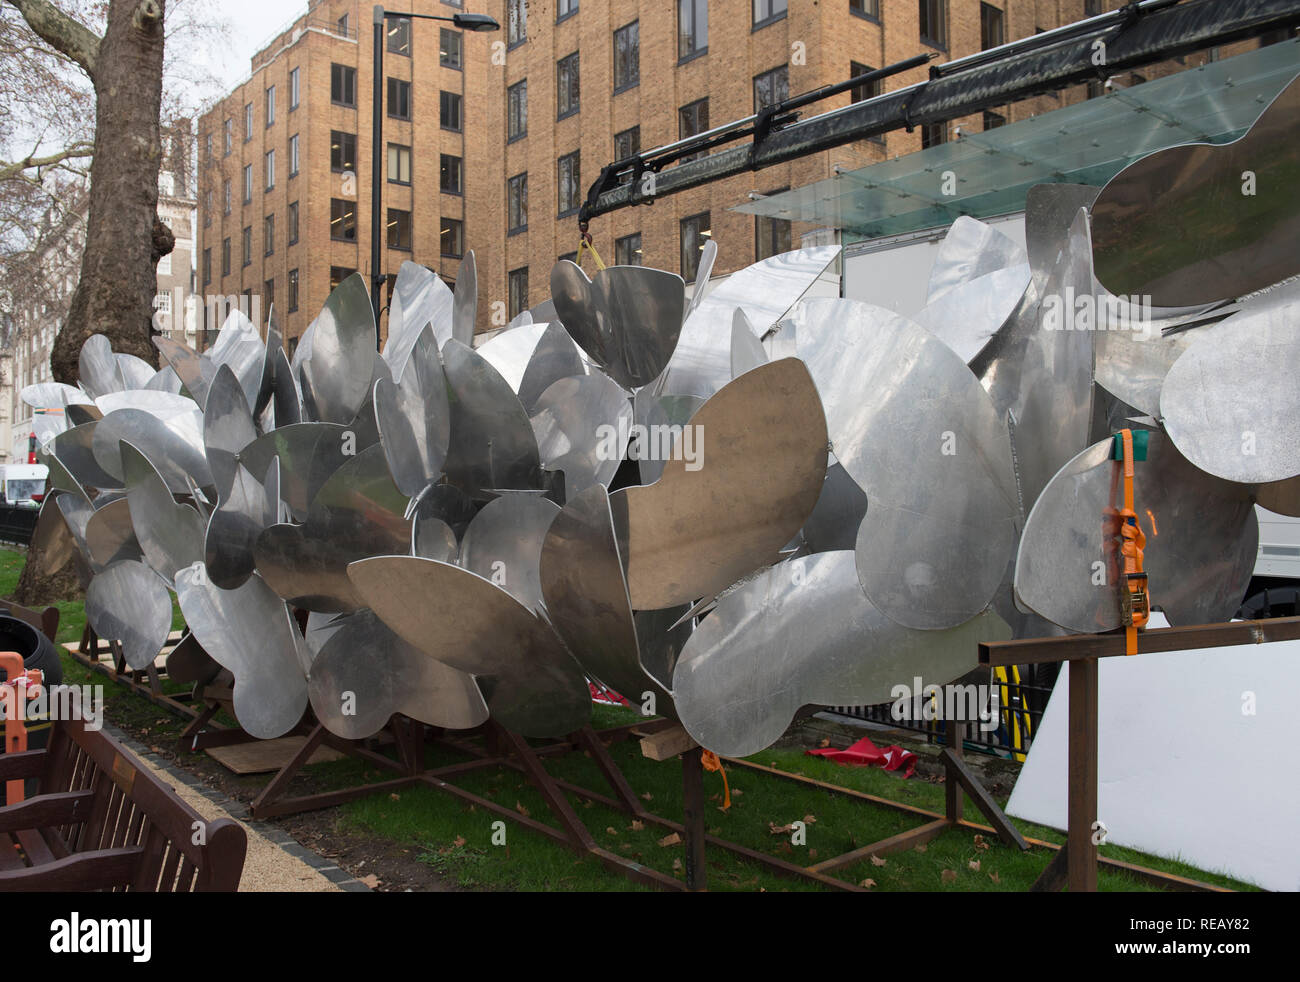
458 226
291 224
341 167
772 73
398 86
520 86
459 64
576 106
621 249
939 9
338 215
388 160
681 241
396 30
521 22
457 100
864 13
459 168
268 235
771 17
986 21
563 15
635 79
699 50
343 85
512 279
575 157
773 224
291 300
393 230
681 130
517 186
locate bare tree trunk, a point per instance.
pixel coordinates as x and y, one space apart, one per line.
36 588
114 296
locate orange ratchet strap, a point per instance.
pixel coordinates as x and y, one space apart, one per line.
710 762
1134 598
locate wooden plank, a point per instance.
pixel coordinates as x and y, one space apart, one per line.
895 843
1082 804
9 858
1036 651
1053 877
37 849
697 875
959 774
264 756
97 870
667 744
60 808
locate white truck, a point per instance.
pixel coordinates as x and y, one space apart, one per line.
23 485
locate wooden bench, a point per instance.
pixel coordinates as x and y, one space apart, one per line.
102 821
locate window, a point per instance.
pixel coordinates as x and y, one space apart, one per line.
449 48
399 164
767 11
771 87
268 293
449 111
991 21
207 147
165 265
517 203
207 266
294 159
343 151
627 250
692 120
270 169
695 233
229 136
627 144
295 90
270 106
993 120
399 229
692 28
399 99
343 85
565 8
163 302
567 180
248 183
399 35
343 25
1091 8
518 288
449 175
207 209
627 56
248 122
452 238
226 198
343 220
517 110
933 134
268 235
771 235
225 256
867 90
566 86
291 220
293 292
865 8
248 245
934 23
338 274
516 22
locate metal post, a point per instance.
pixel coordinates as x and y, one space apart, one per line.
376 180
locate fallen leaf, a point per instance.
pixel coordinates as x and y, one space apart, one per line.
877 861
980 844
922 847
995 878
648 796
810 819
779 829
974 864
670 840
824 743
521 809
677 864
394 797
458 841
948 876
637 826
371 881
611 831
812 853
736 791
867 884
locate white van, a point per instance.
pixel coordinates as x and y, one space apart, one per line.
23 485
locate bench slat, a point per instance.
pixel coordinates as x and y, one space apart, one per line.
64 808
98 870
9 858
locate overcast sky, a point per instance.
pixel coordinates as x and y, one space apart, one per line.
252 22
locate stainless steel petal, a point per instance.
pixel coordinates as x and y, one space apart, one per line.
554 358
75 448
531 683
967 315
746 349
233 529
171 534
465 301
708 256
336 378
1281 497
419 299
833 524
52 540
173 444
511 351
188 663
582 426
110 537
503 544
165 380
648 413
54 395
627 320
392 677
742 479
1202 537
249 632
97 367
414 418
239 345
914 429
187 364
128 603
164 405
799 634
969 251
432 538
227 428
309 453
77 512
136 373
440 505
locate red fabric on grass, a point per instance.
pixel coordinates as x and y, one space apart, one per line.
864 753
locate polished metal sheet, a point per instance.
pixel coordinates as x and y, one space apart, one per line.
532 684
287 401
627 319
1281 497
359 512
270 360
364 674
77 415
738 485
970 251
464 310
127 602
189 664
414 418
492 443
581 424
441 504
1231 402
419 299
511 351
647 413
249 507
171 534
97 367
336 379
136 373
309 453
75 448
708 256
165 380
1202 537
555 357
188 365
1132 365
834 522
239 346
164 405
48 426
802 633
227 428
1179 226
110 537
432 538
54 395
913 428
1050 210
966 316
174 444
503 544
701 364
77 512
587 599
524 317
52 540
746 349
249 632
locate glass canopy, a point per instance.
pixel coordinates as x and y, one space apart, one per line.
1086 143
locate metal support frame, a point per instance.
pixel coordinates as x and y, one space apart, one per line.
144 682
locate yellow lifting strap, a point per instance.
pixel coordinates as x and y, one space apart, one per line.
585 244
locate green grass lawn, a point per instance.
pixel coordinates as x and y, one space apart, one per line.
456 838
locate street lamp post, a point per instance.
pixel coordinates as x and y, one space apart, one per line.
468 22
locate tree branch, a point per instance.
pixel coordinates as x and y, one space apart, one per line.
10 170
64 34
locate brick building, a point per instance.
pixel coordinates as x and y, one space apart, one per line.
494 138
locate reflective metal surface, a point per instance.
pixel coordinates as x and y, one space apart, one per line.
110 537
227 428
627 319
171 534
414 418
187 364
52 540
833 524
188 663
136 373
440 505
968 314
581 425
464 310
174 444
969 251
309 453
250 632
738 486
511 351
503 544
802 633
249 507
708 256
54 395
127 602
239 346
746 349
419 299
97 368
492 443
393 677
432 538
554 358
913 428
1159 225
531 683
336 377
75 449
1201 533
1281 497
